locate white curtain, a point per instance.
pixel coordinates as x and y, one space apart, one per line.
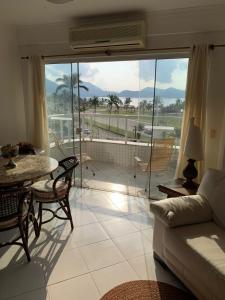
195 102
35 108
221 153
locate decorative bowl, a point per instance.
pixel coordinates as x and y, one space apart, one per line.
9 151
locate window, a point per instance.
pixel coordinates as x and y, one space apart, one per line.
132 103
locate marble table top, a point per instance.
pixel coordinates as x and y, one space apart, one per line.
29 167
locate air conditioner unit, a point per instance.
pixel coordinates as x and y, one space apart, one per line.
117 36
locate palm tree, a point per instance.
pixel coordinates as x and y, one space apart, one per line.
179 105
142 105
128 101
158 103
149 106
68 81
94 102
113 100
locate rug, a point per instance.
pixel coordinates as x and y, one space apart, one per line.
146 290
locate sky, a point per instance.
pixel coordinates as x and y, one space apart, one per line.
127 75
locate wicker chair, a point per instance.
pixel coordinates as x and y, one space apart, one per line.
161 155
14 212
64 151
162 151
56 191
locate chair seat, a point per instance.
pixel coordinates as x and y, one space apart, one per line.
161 153
84 158
14 220
43 190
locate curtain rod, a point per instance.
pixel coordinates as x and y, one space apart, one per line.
108 52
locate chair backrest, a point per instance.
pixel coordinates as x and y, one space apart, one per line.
11 202
161 154
68 164
58 143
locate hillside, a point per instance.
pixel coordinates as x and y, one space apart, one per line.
94 90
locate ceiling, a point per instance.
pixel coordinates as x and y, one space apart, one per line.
28 12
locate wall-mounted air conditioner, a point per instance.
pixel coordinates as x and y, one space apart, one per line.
117 36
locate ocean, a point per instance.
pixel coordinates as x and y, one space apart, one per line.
165 101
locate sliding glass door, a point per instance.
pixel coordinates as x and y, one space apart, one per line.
168 109
63 108
121 118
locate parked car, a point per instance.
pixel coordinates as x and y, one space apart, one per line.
87 131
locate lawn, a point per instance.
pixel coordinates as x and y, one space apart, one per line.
172 120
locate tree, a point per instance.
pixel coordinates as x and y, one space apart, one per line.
143 105
179 105
67 82
176 107
149 106
94 101
158 103
83 104
140 126
113 100
102 101
128 101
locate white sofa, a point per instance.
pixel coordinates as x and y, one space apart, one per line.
189 236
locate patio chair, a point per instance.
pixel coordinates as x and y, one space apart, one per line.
162 150
64 151
55 191
14 213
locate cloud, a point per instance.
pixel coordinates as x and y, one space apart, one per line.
87 71
115 76
121 75
165 69
179 76
183 64
54 71
147 69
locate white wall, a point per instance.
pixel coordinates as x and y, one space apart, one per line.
12 118
178 28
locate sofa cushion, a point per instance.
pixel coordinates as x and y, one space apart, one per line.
200 249
182 210
212 188
211 179
217 202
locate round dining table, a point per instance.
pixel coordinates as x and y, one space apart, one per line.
28 168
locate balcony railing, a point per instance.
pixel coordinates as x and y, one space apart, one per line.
123 128
107 138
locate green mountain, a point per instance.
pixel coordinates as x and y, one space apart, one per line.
94 90
50 86
149 93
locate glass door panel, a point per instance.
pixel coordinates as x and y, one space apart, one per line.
75 108
61 97
171 76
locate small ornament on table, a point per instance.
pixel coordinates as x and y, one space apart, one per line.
10 151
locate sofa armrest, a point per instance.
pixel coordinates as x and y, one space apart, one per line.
183 210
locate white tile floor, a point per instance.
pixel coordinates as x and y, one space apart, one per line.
113 177
110 244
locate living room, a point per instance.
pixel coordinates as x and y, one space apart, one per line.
41 28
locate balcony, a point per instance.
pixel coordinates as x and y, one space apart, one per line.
112 142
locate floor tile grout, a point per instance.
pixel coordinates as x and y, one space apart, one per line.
81 206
